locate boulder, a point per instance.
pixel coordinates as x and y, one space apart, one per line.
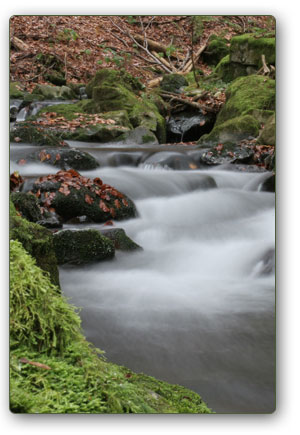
269 184
268 134
245 98
188 126
49 92
217 48
71 195
173 83
120 239
172 160
29 133
139 136
27 205
82 246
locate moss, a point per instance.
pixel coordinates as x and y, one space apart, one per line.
247 49
173 82
72 377
15 90
37 240
120 239
268 134
232 130
36 136
246 94
216 49
80 247
111 77
228 71
27 205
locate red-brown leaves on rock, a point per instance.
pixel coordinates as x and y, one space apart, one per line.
64 189
103 206
109 223
112 212
15 180
125 202
22 162
57 157
17 139
97 181
219 148
88 199
117 203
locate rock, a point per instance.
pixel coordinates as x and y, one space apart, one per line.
27 205
244 56
173 160
269 184
14 107
82 246
29 133
140 136
266 265
188 126
65 158
49 92
37 241
173 83
224 154
124 159
117 90
217 48
268 134
71 195
120 239
244 98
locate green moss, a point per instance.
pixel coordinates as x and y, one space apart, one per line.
40 318
15 90
37 240
216 50
247 49
72 377
228 71
27 205
173 82
268 134
120 239
37 136
246 94
232 130
111 77
80 247
49 92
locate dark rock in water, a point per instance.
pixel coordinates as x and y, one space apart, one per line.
27 205
242 168
14 108
79 220
188 126
124 159
173 160
120 239
65 158
269 184
81 247
70 195
36 136
267 263
225 153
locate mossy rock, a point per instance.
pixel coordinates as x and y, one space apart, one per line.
112 77
120 239
49 92
27 205
37 241
56 78
29 133
246 94
217 49
232 131
173 82
82 246
65 158
228 71
15 91
268 134
248 49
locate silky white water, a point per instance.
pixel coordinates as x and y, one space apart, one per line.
193 307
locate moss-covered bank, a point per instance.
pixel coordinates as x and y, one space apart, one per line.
55 370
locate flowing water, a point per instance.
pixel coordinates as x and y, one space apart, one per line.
196 307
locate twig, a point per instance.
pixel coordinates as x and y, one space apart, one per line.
188 102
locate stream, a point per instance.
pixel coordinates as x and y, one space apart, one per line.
196 307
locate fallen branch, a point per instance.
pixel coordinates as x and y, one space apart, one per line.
189 65
156 46
18 44
193 104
